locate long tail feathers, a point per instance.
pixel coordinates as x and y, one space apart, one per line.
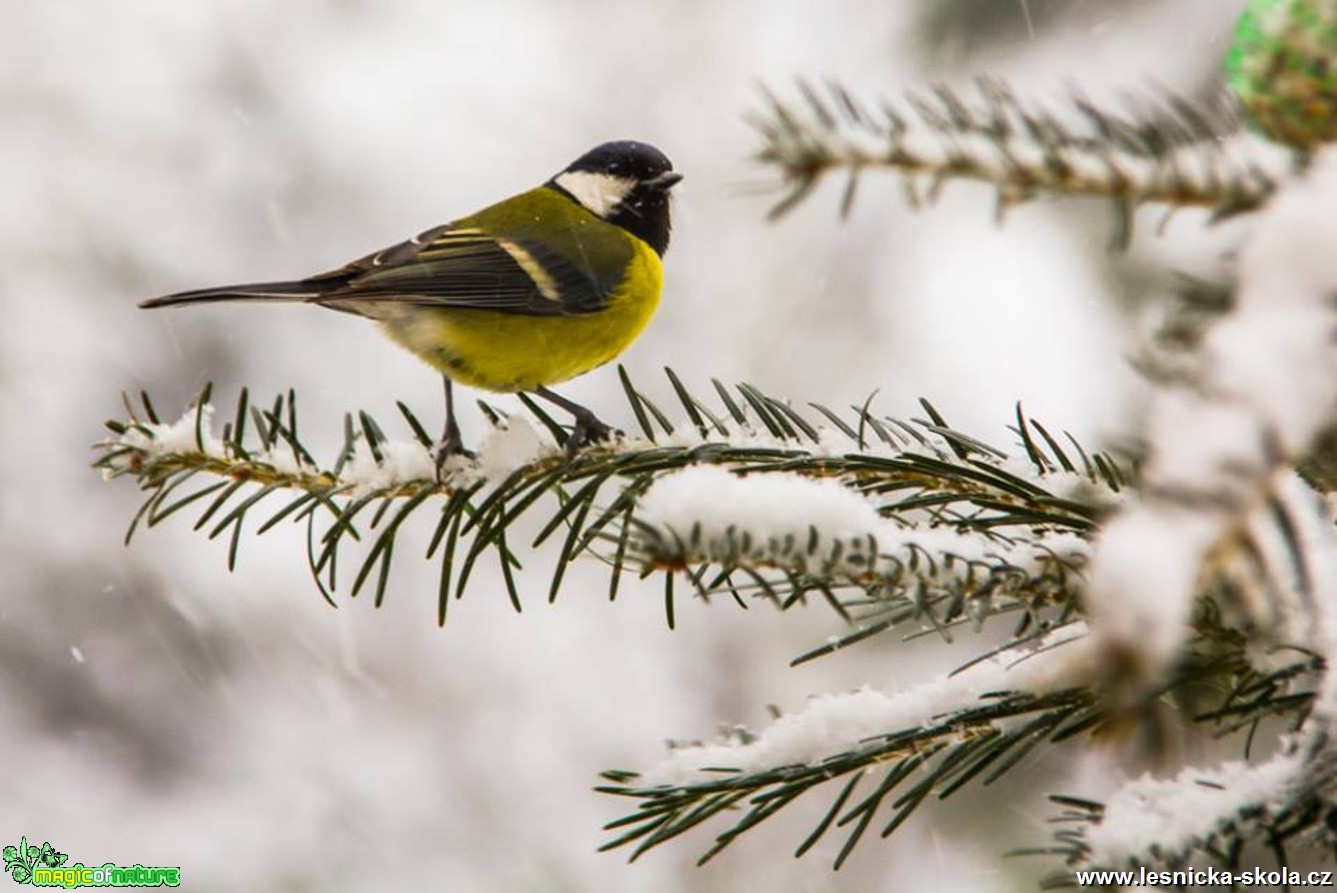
258 291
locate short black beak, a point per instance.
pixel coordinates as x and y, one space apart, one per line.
664 181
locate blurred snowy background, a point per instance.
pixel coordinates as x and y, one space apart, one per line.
156 709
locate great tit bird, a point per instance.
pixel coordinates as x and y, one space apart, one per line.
529 292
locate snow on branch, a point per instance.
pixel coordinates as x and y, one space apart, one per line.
825 528
833 724
1191 810
1265 387
1175 153
376 483
900 748
1219 499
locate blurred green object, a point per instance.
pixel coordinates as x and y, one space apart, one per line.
1282 66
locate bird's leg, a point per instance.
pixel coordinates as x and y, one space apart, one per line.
450 443
588 428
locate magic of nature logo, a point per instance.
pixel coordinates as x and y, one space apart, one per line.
45 867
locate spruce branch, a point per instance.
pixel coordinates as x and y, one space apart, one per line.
879 563
1228 817
260 468
894 750
1217 492
1166 149
902 750
1228 507
1229 814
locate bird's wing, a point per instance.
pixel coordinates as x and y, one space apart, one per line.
466 268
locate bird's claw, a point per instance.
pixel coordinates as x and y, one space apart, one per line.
588 430
445 449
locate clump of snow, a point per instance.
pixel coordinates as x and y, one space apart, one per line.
1290 252
834 723
510 445
284 459
1063 484
1170 815
1275 357
507 447
185 436
189 435
766 504
401 462
1194 438
786 519
1146 576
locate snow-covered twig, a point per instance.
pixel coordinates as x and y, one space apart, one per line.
829 725
259 458
826 529
1266 385
1219 499
1174 154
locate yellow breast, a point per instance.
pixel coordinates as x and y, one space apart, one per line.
513 352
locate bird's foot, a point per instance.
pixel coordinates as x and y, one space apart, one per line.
445 449
588 430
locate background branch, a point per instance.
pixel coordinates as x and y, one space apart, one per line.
1166 149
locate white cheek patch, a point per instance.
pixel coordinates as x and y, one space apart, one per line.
601 193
